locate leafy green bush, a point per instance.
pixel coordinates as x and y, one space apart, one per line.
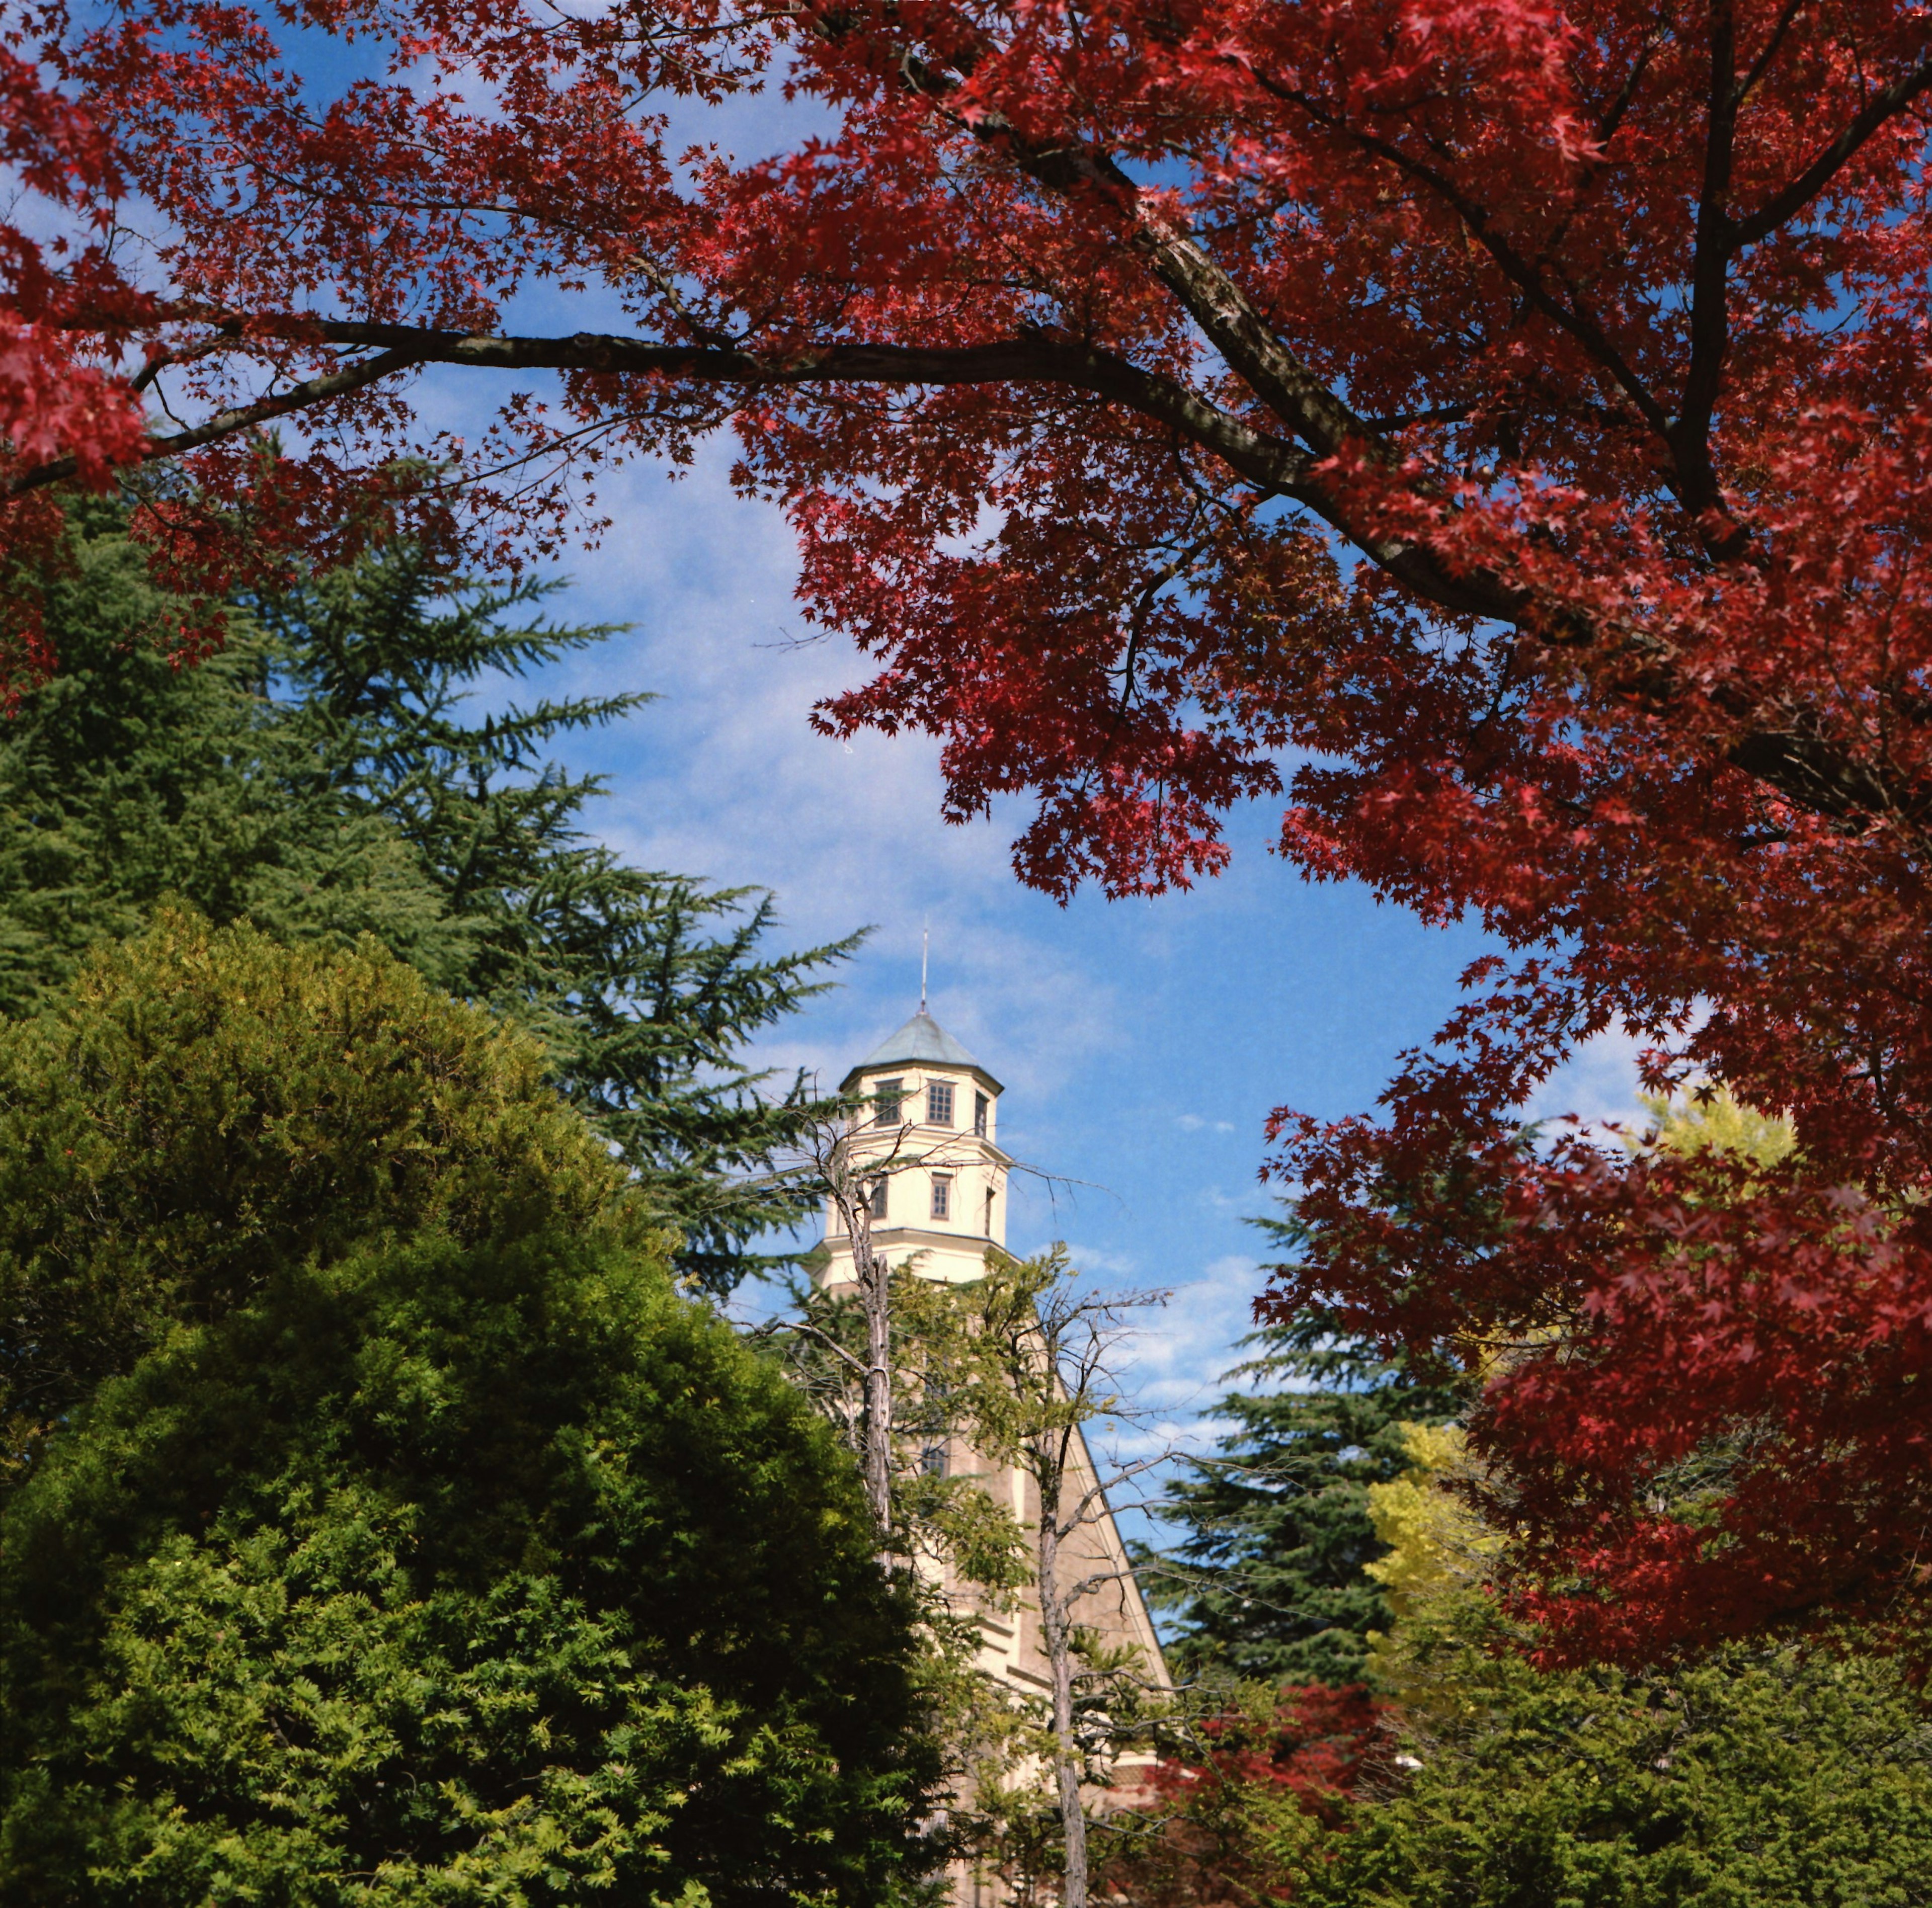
444 1573
1759 1778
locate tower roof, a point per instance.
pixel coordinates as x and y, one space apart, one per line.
921 1039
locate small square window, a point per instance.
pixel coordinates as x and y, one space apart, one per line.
942 1196
887 1097
939 1102
875 1197
932 1460
980 1104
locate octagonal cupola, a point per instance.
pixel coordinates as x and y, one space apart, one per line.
925 1141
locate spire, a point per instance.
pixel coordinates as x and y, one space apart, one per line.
925 950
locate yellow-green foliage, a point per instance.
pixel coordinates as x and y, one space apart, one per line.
1439 1553
206 1106
1710 1119
1435 1542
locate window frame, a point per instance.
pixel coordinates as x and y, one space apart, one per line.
888 1101
937 1093
941 1206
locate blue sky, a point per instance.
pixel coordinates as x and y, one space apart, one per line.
1142 1043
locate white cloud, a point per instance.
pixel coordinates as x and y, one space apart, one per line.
724 772
1094 1258
1597 1085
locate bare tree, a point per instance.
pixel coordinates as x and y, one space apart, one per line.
1030 1363
852 1177
826 1155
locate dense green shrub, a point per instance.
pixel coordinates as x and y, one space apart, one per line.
206 1106
382 1524
438 1572
1760 1778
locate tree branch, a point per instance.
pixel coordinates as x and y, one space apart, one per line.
1885 104
1690 436
228 424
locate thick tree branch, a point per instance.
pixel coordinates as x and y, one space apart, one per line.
1690 436
1886 103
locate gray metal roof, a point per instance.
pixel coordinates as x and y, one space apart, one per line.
921 1039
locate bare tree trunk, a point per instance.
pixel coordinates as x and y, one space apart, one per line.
1056 1624
874 1298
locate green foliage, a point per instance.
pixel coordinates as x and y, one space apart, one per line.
452 1572
1762 1775
986 1349
972 1554
208 1107
379 1525
1760 1778
1270 1582
321 778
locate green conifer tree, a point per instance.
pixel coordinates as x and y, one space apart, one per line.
324 776
1268 1579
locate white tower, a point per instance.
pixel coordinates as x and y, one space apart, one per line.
924 1145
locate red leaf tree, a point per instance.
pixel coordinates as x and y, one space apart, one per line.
62 405
1503 422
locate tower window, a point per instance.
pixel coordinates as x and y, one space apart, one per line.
989 1212
939 1102
875 1196
942 1195
980 1104
887 1097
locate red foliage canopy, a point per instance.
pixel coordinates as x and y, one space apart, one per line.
1318 1745
1510 416
55 403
